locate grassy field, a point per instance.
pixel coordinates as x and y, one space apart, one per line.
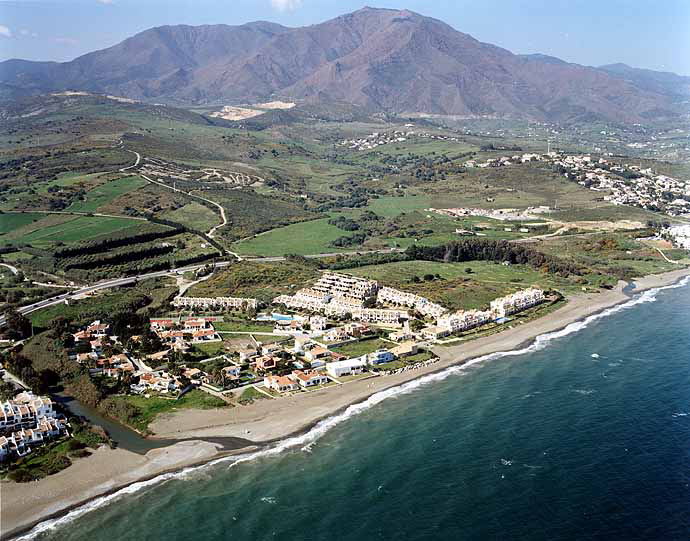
64 228
304 238
262 281
357 349
10 222
104 193
194 215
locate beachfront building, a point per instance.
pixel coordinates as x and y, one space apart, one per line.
346 367
516 302
389 295
435 332
380 356
281 384
216 303
464 320
309 378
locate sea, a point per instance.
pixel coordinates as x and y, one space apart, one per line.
583 435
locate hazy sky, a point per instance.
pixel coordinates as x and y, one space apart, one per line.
644 33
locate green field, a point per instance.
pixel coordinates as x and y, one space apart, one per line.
76 229
357 349
305 238
104 193
194 215
10 222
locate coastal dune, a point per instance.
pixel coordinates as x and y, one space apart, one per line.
266 421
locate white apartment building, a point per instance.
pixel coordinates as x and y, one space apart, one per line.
521 300
464 320
344 285
207 303
379 315
401 298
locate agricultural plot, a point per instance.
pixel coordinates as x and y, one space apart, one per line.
194 215
67 229
11 222
104 193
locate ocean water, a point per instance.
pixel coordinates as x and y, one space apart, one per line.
585 435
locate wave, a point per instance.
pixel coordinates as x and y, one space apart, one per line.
306 440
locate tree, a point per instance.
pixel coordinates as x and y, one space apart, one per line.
7 390
18 325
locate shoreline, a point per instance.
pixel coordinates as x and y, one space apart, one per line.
264 422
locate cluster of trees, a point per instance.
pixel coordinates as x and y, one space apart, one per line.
351 240
114 241
343 262
94 261
493 250
344 223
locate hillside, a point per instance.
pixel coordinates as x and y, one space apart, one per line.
383 60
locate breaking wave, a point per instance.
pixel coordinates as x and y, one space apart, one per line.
304 441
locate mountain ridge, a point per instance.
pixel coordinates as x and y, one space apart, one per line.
394 61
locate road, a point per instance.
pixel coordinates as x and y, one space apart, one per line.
13 269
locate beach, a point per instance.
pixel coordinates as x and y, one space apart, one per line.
267 420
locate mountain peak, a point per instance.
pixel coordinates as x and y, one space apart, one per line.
396 61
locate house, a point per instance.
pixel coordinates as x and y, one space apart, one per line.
405 350
266 362
316 353
282 384
347 367
308 379
380 356
434 333
246 354
400 336
98 329
231 372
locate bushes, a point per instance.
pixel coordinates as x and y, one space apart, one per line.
493 250
109 243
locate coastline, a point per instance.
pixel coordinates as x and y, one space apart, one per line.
266 421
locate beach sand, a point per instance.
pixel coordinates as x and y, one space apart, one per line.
266 420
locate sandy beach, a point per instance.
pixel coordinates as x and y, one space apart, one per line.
25 504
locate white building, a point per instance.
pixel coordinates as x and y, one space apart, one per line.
521 300
347 367
217 303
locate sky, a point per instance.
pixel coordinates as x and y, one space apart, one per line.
652 34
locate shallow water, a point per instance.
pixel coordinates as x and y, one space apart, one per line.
584 436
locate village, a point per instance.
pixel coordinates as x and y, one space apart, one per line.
627 184
339 329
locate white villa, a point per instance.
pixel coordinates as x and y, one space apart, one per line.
347 367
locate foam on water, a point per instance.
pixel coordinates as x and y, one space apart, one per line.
305 441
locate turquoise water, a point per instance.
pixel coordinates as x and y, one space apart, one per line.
586 436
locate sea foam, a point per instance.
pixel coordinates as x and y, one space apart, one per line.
305 441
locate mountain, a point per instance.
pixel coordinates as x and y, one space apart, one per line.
394 61
662 82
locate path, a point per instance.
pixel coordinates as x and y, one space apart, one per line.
666 258
13 269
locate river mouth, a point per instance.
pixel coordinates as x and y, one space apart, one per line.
130 440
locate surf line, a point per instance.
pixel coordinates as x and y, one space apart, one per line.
308 438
